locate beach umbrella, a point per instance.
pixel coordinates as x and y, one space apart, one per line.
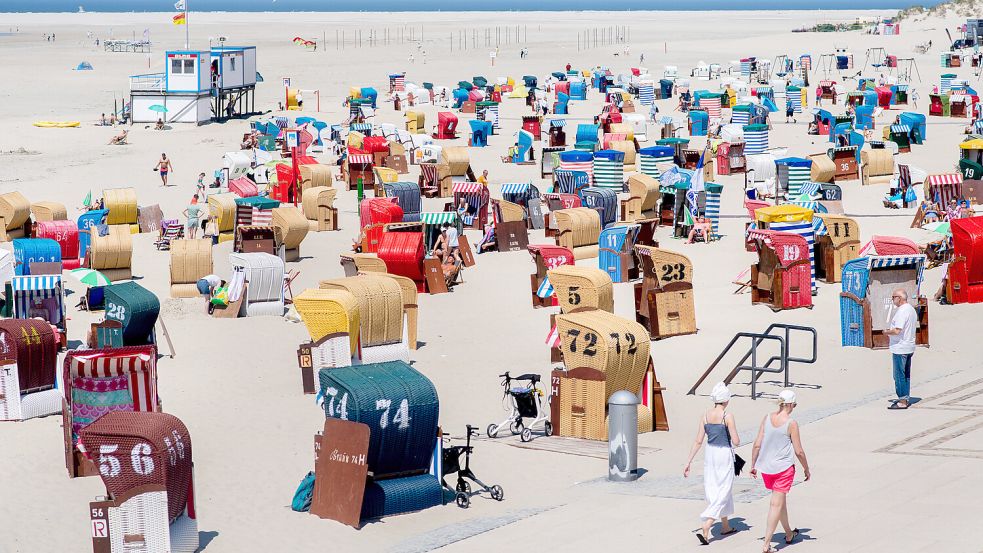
90 277
938 227
87 202
158 108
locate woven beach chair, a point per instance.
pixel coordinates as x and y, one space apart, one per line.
582 288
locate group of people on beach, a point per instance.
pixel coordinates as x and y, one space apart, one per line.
779 442
776 447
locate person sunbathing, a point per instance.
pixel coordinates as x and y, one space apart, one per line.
120 138
701 229
160 125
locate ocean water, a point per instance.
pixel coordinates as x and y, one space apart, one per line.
435 5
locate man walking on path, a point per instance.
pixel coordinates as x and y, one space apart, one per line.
902 345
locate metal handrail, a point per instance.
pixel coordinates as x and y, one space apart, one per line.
784 359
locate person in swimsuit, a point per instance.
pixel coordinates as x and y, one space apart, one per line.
775 450
164 167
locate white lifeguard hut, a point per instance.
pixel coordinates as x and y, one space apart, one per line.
233 74
197 86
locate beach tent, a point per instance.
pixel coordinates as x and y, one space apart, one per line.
792 173
608 166
756 139
83 66
868 284
28 377
652 157
791 219
916 122
965 282
578 90
479 132
261 274
780 278
699 122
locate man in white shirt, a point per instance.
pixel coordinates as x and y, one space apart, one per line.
902 345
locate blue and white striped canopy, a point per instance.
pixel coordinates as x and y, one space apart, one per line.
887 261
515 187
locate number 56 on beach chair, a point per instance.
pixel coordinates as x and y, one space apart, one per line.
144 459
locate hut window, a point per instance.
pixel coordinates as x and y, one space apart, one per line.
232 62
176 67
189 67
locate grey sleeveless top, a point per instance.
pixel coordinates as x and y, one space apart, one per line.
717 434
776 453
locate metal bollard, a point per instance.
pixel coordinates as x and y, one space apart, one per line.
623 437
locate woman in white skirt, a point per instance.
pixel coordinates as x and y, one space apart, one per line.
720 430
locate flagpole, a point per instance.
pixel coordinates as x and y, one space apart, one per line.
187 30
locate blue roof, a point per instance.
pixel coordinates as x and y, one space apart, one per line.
576 155
794 161
657 151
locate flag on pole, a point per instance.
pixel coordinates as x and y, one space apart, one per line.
180 19
545 289
180 6
553 339
698 184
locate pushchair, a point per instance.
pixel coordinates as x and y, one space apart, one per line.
528 401
451 457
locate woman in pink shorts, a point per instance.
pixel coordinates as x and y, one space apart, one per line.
775 450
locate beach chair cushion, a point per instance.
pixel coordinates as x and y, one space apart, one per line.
94 397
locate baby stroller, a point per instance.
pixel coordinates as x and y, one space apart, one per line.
526 402
451 457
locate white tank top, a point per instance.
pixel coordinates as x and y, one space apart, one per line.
776 454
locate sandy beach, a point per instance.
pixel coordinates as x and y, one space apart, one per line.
882 481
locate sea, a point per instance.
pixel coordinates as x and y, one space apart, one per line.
54 6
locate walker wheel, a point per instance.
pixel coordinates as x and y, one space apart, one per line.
463 486
492 430
515 428
526 435
497 493
463 501
549 428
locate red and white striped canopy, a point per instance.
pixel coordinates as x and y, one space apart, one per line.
947 178
467 187
359 158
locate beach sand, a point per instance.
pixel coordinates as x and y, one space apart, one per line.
236 386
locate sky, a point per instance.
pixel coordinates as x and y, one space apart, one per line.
429 5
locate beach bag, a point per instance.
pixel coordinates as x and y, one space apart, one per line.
739 463
910 196
221 297
305 492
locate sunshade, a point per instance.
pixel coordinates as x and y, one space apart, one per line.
158 108
938 227
90 277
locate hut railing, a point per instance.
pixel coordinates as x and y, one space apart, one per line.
776 332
